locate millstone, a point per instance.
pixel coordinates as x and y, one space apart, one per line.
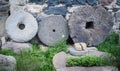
52 30
21 26
90 25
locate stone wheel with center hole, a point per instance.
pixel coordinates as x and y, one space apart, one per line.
90 25
52 30
21 26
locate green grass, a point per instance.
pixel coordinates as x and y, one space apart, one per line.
111 45
86 61
36 60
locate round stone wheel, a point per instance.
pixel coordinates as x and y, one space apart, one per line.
52 30
90 25
21 26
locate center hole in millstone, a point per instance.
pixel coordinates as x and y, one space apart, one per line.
89 25
21 26
53 30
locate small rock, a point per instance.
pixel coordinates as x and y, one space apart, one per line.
43 48
7 63
17 47
80 46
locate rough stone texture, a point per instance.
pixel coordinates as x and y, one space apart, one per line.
90 25
3 18
4 6
21 26
105 2
17 47
59 62
15 8
117 16
92 2
18 2
7 63
107 68
56 10
118 2
51 35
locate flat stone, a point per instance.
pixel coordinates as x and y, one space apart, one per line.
7 63
56 10
50 35
17 47
90 52
90 25
59 60
106 68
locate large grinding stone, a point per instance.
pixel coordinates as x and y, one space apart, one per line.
52 30
90 25
21 26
